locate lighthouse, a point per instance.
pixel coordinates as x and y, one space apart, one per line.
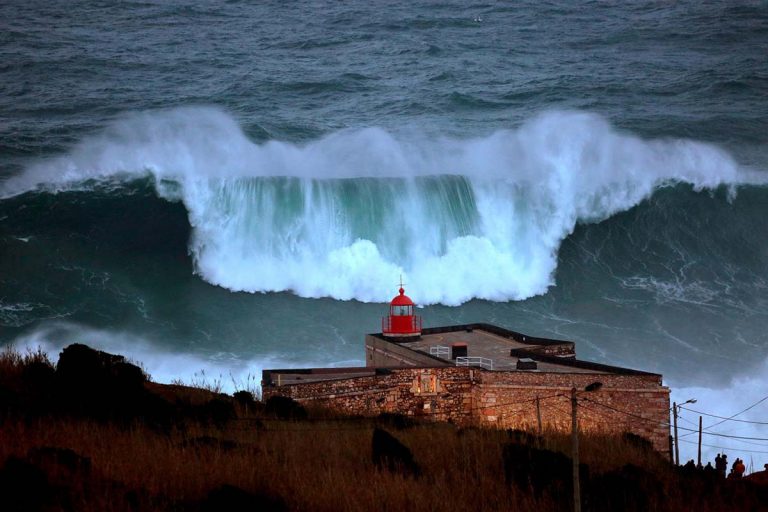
401 323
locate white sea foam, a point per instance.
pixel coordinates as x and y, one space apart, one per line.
492 233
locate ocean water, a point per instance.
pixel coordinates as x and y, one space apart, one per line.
234 185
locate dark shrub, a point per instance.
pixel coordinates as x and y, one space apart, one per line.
59 458
637 441
631 489
217 412
394 420
233 499
522 436
389 453
244 397
542 471
23 487
38 375
247 403
285 408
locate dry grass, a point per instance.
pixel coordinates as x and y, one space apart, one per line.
13 362
323 466
320 466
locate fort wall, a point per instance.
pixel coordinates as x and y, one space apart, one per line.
635 403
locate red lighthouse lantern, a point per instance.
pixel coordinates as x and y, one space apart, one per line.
401 322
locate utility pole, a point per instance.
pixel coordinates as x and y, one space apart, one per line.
699 461
575 443
677 448
671 451
538 413
575 452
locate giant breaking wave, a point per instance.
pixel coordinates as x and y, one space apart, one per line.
346 215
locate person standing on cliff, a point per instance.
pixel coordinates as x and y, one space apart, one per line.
738 468
721 465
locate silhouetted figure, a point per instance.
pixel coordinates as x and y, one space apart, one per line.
721 465
737 470
709 470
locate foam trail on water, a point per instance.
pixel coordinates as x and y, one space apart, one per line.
345 215
224 371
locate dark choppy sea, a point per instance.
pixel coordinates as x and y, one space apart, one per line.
234 185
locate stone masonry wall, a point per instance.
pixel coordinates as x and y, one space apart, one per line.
624 403
435 393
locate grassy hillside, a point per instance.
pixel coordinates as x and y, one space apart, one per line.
92 433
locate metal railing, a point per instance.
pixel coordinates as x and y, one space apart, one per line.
439 351
482 362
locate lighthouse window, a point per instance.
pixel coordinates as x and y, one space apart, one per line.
402 310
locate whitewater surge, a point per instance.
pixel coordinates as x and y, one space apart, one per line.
346 215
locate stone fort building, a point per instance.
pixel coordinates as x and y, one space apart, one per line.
482 375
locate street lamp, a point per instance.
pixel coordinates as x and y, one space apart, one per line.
675 409
575 443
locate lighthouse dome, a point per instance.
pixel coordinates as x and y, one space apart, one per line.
402 299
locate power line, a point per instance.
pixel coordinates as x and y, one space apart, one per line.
666 424
755 444
724 447
681 417
740 412
602 414
725 418
729 436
